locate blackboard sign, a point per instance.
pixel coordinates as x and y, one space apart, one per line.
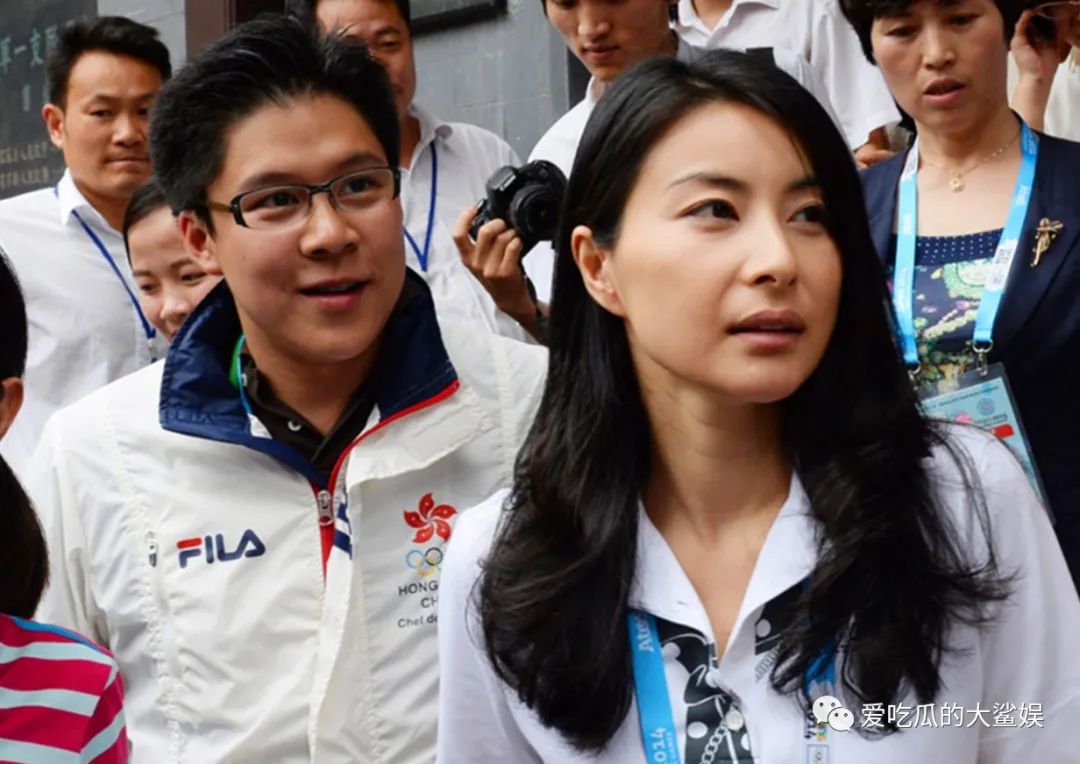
430 15
28 31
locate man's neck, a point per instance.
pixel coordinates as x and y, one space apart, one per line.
711 11
109 207
410 137
318 392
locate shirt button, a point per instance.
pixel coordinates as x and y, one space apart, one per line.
734 720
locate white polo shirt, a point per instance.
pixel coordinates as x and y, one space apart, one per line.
1021 672
560 143
85 330
466 156
819 32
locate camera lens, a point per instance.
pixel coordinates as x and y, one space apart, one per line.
534 212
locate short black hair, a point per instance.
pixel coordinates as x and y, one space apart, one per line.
150 197
112 34
13 327
861 14
269 60
305 10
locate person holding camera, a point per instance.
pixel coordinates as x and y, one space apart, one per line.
1044 68
608 39
445 163
980 223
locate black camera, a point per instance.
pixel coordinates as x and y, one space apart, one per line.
527 198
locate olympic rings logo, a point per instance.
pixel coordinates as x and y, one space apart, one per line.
425 563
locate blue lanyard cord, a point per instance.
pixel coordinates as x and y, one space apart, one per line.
422 256
147 328
650 686
655 716
904 273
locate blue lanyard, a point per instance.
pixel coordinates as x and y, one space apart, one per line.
147 328
904 274
650 686
422 256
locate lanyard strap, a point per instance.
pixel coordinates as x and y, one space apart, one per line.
147 328
904 274
422 256
650 686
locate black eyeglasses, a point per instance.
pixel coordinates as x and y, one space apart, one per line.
287 205
1059 10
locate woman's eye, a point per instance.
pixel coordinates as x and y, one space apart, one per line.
715 209
811 213
147 289
901 32
192 278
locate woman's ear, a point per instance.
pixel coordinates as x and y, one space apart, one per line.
198 242
11 398
597 272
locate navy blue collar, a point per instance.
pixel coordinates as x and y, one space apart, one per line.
198 399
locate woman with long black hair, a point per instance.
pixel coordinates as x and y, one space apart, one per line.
732 536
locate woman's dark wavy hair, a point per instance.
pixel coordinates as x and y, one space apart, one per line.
890 578
25 566
862 13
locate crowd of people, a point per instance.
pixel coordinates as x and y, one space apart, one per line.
306 459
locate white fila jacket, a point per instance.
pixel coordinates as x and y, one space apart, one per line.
188 542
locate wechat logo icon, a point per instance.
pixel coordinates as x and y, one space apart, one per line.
828 711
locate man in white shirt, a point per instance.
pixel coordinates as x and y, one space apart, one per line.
817 30
86 328
447 163
607 39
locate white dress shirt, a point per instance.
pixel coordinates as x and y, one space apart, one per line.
819 32
84 329
467 156
1027 655
560 143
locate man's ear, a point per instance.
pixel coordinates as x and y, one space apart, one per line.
11 398
594 263
54 123
198 241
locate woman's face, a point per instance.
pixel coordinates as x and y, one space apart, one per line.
170 283
944 61
723 270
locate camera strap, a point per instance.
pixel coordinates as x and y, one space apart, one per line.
422 255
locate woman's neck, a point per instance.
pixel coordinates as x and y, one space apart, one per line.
317 392
959 149
714 467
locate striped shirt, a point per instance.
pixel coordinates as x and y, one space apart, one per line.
61 697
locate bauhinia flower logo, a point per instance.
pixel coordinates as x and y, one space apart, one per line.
430 519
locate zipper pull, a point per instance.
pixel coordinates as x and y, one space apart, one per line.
151 548
326 512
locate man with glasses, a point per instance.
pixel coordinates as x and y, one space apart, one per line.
255 526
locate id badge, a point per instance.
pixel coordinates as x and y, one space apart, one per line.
985 400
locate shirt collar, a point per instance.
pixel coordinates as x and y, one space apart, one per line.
661 586
688 18
431 126
71 200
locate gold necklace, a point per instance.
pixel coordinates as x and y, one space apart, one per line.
956 182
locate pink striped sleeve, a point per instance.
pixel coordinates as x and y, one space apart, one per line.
106 737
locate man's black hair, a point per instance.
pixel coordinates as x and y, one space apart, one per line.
305 10
266 61
111 34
